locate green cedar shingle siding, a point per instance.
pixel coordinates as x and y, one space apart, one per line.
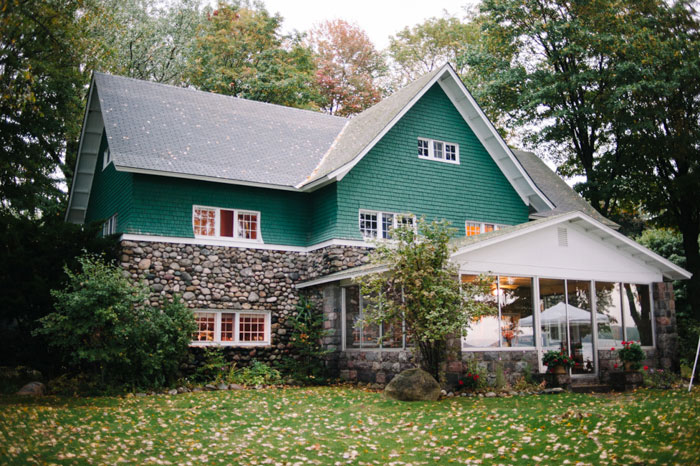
111 193
390 178
163 206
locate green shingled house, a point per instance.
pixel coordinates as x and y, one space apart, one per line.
240 206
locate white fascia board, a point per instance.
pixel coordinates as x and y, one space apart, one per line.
339 173
667 268
347 275
470 109
87 113
145 171
243 244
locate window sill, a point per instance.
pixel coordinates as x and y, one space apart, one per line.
229 344
471 349
453 162
228 241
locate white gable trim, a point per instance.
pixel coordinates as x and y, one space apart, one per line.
486 133
591 226
86 162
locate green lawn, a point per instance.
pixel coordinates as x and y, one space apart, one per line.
342 425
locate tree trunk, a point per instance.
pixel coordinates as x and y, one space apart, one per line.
690 231
432 354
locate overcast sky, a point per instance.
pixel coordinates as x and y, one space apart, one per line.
379 18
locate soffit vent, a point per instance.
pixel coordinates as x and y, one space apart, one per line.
563 236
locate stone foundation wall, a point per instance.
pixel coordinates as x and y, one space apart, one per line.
374 366
220 277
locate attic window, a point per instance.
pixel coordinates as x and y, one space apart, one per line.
477 228
438 150
234 224
379 224
106 158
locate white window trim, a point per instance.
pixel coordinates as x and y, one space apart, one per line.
106 158
236 328
482 226
380 347
217 224
109 227
380 216
431 151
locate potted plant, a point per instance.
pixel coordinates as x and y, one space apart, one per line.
557 361
631 354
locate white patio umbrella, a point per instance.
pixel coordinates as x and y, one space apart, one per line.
557 314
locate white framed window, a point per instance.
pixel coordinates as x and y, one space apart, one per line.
374 224
357 334
106 158
477 228
110 226
231 328
234 224
438 150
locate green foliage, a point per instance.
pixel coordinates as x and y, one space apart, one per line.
557 358
214 367
144 39
422 287
102 327
420 49
308 364
240 51
660 378
34 253
41 83
257 373
631 352
347 67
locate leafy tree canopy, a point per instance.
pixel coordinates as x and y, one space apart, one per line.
422 287
240 51
348 67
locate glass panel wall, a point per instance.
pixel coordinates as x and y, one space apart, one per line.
352 317
516 311
511 324
552 308
483 332
637 313
580 325
368 336
609 315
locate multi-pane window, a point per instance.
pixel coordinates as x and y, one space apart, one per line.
226 223
438 150
110 226
206 323
232 328
477 228
361 335
423 150
368 224
380 224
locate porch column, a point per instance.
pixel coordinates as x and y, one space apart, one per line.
666 330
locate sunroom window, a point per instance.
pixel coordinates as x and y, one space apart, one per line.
221 223
231 328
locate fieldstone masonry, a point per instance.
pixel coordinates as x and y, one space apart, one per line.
220 277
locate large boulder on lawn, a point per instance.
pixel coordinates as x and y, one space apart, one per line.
413 385
32 389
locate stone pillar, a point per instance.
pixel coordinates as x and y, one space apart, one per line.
332 313
666 330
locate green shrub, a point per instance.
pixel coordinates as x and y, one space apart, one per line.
308 366
214 367
472 378
660 378
258 373
631 352
103 328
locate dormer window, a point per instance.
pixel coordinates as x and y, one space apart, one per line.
438 150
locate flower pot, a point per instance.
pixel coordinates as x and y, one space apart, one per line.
629 366
559 370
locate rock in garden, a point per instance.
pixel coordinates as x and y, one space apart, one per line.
413 385
209 387
32 389
222 386
173 392
553 391
490 395
235 386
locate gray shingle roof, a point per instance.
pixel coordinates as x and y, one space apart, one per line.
158 127
366 126
562 196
